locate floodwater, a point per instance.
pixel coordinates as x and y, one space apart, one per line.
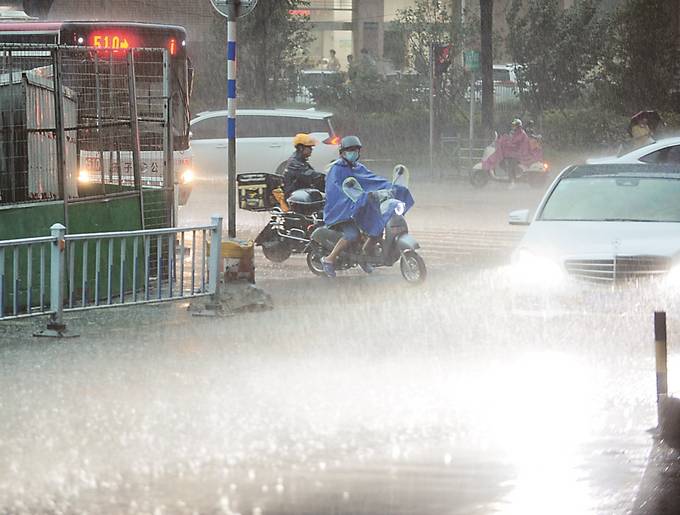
359 396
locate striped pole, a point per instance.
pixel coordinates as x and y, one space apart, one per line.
231 119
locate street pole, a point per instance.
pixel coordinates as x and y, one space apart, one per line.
231 118
471 134
432 110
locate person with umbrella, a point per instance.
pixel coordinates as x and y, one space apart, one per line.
641 128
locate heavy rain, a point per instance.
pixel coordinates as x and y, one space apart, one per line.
516 378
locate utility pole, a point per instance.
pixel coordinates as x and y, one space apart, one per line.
486 16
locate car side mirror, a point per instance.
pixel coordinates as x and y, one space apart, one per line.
519 217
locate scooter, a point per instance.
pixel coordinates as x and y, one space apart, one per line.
289 232
395 244
534 174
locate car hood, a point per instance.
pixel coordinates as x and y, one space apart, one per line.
598 240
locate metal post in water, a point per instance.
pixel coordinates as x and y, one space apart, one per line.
661 354
56 328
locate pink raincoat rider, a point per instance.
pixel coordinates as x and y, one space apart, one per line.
517 145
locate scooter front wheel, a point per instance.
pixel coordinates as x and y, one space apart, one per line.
314 262
479 178
413 267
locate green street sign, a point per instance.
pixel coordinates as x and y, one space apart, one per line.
471 60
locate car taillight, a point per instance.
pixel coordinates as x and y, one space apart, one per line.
332 140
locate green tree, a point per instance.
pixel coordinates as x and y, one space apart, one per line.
556 50
272 42
638 69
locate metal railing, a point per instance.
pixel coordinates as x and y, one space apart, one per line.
94 270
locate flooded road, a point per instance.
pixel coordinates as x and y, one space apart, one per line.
360 396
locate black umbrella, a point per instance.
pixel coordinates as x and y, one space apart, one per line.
651 118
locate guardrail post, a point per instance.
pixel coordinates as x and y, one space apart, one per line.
56 327
214 306
215 256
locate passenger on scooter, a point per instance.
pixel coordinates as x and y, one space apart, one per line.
299 173
515 147
349 216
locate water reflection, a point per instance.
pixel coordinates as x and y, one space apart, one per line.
441 402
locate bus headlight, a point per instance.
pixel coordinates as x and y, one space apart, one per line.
84 176
187 176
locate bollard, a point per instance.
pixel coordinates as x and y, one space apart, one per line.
661 352
56 327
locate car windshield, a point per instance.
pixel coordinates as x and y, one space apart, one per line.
614 198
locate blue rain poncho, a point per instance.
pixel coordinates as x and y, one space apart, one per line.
363 208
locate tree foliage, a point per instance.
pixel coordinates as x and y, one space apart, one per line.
271 42
640 52
555 48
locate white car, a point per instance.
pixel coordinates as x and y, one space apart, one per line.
505 89
665 151
603 223
263 140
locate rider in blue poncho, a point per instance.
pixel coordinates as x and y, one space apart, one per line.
351 213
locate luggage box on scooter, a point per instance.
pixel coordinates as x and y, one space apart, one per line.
255 190
306 201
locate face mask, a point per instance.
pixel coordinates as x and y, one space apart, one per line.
352 156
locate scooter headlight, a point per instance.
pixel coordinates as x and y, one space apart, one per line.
399 208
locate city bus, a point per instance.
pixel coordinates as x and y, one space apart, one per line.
104 163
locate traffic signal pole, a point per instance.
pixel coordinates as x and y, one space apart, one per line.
231 119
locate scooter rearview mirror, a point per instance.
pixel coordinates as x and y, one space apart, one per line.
401 175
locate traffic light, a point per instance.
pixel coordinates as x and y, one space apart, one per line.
442 59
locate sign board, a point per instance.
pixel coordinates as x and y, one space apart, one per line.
243 7
471 60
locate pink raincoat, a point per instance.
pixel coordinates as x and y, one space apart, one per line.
519 146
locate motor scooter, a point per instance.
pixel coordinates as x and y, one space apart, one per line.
535 174
395 243
288 231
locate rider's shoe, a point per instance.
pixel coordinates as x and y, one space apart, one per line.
328 268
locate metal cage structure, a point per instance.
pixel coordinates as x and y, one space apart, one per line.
87 135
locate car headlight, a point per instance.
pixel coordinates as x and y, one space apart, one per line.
673 276
532 268
84 176
187 176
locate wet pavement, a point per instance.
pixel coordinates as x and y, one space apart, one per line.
364 395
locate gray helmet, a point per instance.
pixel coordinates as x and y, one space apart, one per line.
349 142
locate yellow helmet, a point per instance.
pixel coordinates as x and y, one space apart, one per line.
304 139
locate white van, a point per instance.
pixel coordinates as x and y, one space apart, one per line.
264 140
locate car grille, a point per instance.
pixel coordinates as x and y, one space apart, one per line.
618 268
